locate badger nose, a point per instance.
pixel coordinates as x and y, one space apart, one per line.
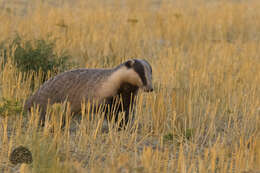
148 90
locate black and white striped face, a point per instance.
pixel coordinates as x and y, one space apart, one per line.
144 71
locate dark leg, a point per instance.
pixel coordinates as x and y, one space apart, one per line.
116 105
124 101
42 118
128 103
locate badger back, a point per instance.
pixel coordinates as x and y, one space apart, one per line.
71 86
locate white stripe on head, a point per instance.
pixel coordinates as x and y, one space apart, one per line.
148 74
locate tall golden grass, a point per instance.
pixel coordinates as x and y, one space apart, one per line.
204 115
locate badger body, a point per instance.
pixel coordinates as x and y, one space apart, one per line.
97 86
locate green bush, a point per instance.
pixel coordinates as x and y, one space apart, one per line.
168 137
35 55
10 107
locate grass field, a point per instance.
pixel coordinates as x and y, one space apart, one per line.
204 115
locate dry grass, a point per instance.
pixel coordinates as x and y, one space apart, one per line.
204 115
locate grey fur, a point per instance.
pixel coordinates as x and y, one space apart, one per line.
79 84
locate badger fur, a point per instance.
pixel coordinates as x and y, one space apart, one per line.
97 86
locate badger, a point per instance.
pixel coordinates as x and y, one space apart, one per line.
96 86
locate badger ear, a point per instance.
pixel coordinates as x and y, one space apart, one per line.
129 63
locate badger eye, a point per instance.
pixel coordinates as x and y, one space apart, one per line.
130 63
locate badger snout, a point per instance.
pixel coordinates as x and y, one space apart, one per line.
148 89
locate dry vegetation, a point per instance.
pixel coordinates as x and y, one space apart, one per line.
204 115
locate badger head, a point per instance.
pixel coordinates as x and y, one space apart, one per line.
140 74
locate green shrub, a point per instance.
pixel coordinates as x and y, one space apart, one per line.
184 135
10 107
35 55
168 137
189 133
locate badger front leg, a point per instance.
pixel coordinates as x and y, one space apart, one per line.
121 103
127 105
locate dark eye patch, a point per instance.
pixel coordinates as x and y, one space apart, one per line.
129 63
139 68
150 68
